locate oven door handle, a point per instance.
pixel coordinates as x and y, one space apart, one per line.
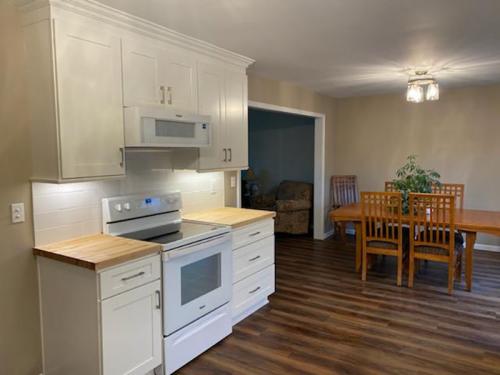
195 247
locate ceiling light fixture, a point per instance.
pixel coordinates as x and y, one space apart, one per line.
419 82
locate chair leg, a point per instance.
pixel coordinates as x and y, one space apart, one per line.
451 273
400 270
364 265
343 228
458 268
411 272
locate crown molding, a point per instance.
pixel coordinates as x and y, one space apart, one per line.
103 13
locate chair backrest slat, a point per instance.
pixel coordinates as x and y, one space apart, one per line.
343 190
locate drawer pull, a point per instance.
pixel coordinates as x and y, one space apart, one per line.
254 258
254 234
142 273
253 291
202 307
158 299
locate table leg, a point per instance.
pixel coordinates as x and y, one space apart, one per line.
357 227
470 241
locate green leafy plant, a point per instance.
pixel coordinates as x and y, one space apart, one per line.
412 178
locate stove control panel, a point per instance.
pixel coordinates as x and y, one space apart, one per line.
135 206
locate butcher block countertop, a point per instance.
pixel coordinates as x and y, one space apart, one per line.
97 251
234 217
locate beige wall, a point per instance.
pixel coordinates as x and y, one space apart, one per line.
20 352
459 136
288 95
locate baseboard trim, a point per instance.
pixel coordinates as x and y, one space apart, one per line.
484 247
477 246
328 234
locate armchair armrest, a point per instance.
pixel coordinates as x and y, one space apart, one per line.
293 205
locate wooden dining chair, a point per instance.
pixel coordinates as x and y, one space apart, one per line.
432 219
343 191
389 186
381 227
457 190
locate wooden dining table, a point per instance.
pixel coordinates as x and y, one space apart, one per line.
467 221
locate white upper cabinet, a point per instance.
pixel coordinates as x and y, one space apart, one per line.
90 101
236 128
142 73
179 70
86 63
156 75
211 103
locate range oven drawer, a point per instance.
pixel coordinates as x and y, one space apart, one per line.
252 258
253 232
189 342
130 275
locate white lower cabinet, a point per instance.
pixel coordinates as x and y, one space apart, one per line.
131 324
253 268
87 329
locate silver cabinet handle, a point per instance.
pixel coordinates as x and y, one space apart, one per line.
230 154
169 89
158 299
122 152
253 291
225 154
254 258
254 234
202 307
138 274
162 90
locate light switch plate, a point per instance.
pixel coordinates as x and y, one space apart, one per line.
17 213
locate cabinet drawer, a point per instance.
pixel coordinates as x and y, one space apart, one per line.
252 258
253 232
252 290
130 275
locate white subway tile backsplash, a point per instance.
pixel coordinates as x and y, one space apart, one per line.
63 211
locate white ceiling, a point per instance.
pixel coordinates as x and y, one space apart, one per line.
344 47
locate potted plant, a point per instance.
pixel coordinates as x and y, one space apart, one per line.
412 178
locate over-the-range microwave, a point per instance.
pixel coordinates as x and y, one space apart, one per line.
159 127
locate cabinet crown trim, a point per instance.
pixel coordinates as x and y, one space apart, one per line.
123 20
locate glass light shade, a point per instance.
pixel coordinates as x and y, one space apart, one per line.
415 93
432 91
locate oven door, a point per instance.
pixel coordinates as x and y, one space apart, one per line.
196 280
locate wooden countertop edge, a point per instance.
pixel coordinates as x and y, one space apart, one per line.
268 215
264 215
100 265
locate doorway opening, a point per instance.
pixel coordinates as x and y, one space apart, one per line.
286 164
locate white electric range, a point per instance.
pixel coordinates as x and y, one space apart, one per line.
196 270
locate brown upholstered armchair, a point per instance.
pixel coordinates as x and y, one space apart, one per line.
292 203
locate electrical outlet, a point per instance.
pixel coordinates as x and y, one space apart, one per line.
233 181
17 213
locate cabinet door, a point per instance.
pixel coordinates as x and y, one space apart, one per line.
89 92
179 70
236 119
141 74
131 331
211 103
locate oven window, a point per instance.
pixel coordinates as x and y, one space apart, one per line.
174 129
200 278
